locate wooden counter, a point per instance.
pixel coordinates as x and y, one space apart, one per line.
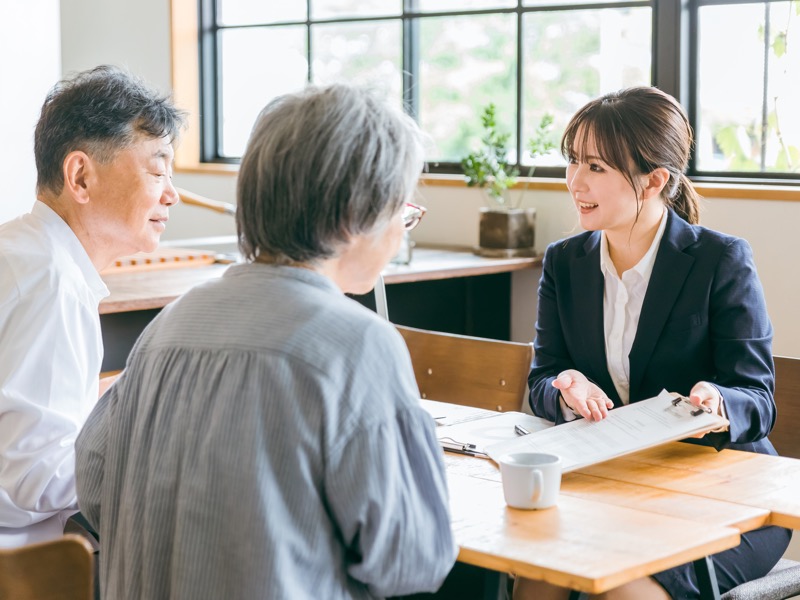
430 264
155 289
445 289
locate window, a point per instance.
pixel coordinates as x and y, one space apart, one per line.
446 59
746 92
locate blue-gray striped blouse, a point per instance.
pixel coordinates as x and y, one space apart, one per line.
265 441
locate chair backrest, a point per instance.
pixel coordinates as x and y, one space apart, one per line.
785 435
467 370
57 570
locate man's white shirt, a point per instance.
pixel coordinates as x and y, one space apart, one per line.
51 351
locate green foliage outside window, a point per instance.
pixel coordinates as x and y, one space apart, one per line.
743 144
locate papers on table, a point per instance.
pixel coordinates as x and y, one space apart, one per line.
445 413
483 433
663 418
469 430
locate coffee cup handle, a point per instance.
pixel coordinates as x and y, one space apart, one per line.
537 482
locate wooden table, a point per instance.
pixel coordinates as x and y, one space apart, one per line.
624 519
769 483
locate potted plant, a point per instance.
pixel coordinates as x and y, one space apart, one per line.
506 229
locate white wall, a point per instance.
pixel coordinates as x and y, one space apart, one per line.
137 35
771 229
769 226
30 56
132 34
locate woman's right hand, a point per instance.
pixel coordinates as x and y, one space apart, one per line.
583 396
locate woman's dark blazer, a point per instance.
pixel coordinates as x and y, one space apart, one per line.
703 319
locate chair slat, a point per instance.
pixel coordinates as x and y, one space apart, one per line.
57 570
470 371
785 434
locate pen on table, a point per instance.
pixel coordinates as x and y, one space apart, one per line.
520 430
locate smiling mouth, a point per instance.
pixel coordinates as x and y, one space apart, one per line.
161 224
586 205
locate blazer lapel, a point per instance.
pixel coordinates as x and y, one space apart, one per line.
587 285
670 270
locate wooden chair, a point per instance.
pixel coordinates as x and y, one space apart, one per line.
787 397
57 570
467 370
783 581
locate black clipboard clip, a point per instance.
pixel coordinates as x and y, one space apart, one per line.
451 445
696 410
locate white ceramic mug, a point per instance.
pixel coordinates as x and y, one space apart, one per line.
530 479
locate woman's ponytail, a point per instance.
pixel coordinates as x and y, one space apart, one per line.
686 201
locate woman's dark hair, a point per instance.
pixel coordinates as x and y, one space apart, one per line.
635 131
321 166
100 111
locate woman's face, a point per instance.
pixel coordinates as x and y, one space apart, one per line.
603 197
367 255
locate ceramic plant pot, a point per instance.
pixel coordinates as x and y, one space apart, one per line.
507 233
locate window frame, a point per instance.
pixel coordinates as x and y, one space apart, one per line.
674 56
690 101
411 17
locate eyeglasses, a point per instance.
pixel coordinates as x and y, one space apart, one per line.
412 215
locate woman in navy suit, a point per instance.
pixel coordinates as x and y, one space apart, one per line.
647 299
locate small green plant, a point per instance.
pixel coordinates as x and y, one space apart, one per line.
540 143
488 167
542 140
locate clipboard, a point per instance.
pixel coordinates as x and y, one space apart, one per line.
637 426
473 437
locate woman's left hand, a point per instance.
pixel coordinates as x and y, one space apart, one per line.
706 396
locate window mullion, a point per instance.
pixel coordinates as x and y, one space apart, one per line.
668 46
690 97
765 89
211 96
411 52
309 57
520 97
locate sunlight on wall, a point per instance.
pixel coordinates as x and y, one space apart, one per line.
30 61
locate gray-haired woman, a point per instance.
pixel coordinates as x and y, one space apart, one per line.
266 439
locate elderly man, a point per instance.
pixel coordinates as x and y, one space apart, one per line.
103 148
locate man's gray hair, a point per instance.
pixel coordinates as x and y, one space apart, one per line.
321 166
100 112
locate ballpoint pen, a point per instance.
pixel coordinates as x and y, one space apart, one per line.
520 430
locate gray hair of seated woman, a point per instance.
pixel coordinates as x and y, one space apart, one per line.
321 166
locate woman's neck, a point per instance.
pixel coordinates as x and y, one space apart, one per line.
627 248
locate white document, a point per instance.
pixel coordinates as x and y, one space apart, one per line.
663 418
479 434
445 413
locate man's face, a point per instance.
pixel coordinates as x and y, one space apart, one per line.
131 197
